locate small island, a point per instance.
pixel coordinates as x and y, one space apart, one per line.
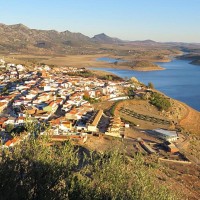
142 65
195 62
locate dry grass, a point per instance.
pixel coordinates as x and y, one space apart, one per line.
191 121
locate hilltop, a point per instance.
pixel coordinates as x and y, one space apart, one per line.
20 38
103 38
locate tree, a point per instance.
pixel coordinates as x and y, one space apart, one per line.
130 93
9 128
161 102
150 85
36 170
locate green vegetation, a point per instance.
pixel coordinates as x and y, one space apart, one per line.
161 102
5 90
151 85
89 99
9 128
35 170
33 126
130 93
84 74
108 77
88 74
112 109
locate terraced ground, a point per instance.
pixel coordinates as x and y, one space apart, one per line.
144 117
148 117
141 113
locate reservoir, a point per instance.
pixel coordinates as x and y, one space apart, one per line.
109 60
180 80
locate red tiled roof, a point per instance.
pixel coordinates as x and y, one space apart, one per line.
8 143
3 119
52 103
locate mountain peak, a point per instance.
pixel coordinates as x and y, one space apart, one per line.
103 38
101 34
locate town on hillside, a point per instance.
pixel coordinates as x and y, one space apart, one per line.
72 105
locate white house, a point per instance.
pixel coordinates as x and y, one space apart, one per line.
20 68
19 121
47 88
11 120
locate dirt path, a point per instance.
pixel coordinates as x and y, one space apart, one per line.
191 121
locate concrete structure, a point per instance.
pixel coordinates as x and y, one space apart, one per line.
115 128
163 134
172 148
93 126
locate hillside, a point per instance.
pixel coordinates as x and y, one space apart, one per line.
21 38
193 56
103 38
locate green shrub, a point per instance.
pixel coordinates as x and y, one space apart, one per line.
35 170
161 102
151 85
90 100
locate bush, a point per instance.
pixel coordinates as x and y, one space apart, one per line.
36 170
90 100
9 128
161 102
151 85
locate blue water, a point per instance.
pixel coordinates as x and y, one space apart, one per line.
180 80
109 60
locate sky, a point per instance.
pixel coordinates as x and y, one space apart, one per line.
159 20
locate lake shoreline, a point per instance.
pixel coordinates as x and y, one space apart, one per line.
178 77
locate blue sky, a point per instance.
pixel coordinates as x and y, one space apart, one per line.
160 20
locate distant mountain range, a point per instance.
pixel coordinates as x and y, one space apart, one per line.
19 38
